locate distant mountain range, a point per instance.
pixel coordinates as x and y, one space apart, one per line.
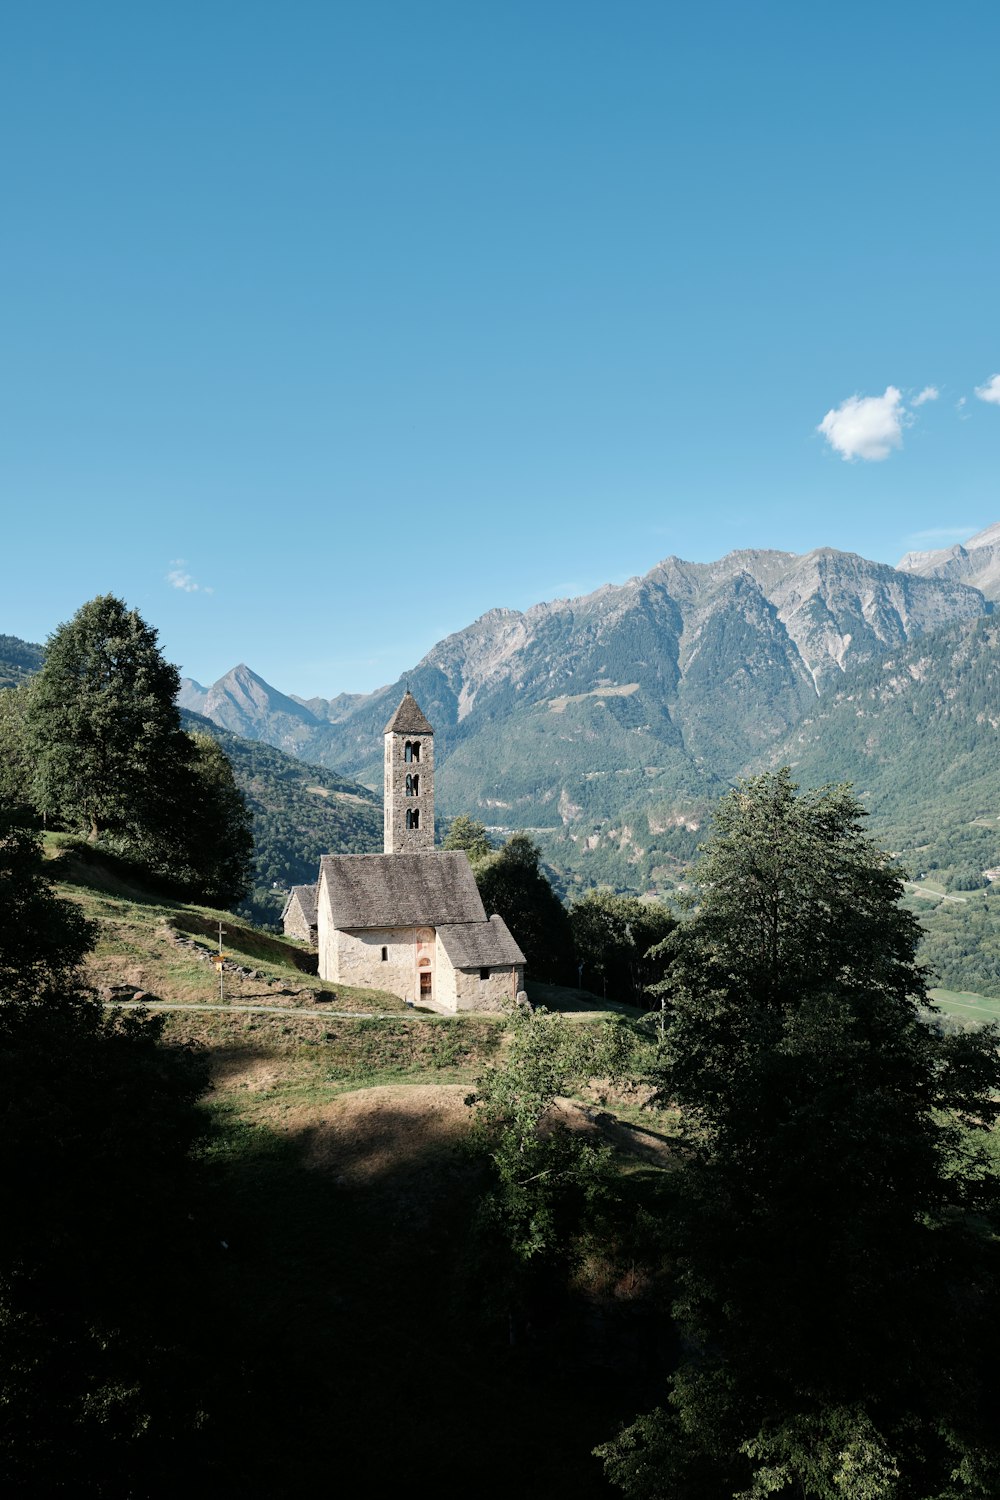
977 563
609 725
612 721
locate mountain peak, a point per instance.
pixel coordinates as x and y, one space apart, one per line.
976 563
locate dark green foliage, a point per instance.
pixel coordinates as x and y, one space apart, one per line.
835 1297
103 724
17 756
513 884
545 1176
299 813
95 740
465 833
42 940
213 836
613 936
96 1122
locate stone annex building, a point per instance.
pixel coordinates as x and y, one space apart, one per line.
411 920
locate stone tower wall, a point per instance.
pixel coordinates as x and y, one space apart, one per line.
398 838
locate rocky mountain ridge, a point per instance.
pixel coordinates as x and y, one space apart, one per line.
679 677
975 562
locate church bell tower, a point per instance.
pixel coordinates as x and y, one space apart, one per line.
409 780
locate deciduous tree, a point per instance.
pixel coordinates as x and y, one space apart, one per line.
465 833
103 721
513 884
835 1295
613 936
102 725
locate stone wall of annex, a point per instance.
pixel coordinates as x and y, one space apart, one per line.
491 994
295 924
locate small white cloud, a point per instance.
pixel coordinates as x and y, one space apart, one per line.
867 427
929 393
179 578
990 391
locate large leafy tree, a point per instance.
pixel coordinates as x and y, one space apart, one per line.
42 939
103 730
513 884
465 833
103 721
99 1363
614 937
835 1290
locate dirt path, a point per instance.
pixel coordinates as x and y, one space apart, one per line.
228 1006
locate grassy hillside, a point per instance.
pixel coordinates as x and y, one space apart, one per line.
160 949
347 1287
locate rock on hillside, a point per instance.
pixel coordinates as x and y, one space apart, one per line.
977 562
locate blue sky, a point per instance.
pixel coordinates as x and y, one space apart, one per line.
327 327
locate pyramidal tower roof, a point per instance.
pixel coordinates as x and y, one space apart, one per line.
409 718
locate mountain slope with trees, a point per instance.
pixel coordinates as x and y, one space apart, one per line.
608 725
918 736
299 812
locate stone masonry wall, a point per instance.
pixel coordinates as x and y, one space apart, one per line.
398 838
492 994
359 960
296 926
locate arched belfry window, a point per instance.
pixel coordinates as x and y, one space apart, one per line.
411 751
412 818
409 785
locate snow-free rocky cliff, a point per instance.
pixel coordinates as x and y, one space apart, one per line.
625 711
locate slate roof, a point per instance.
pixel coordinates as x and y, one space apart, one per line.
409 718
307 897
480 945
426 889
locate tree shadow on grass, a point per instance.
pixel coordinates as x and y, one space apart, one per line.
350 1288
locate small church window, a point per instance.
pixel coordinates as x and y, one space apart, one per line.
412 818
409 785
484 973
385 955
411 751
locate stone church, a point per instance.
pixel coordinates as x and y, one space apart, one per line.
411 920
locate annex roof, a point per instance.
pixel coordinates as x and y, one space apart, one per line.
480 945
409 718
425 889
306 896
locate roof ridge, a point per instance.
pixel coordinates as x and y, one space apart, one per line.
409 718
